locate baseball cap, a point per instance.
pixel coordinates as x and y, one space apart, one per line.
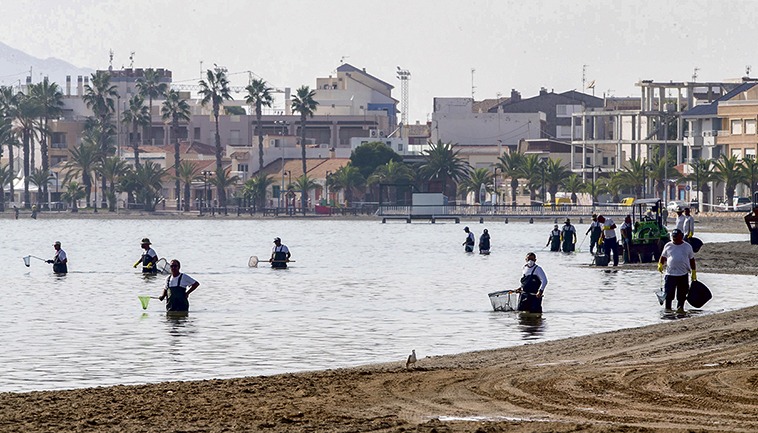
676 232
277 239
57 243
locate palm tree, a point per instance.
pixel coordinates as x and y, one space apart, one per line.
304 103
6 177
25 124
187 172
304 184
100 96
442 163
222 181
474 181
150 86
392 173
573 184
255 189
702 173
594 188
531 170
8 137
214 91
347 178
555 177
613 185
633 176
83 162
259 95
136 116
149 177
112 169
175 110
72 194
510 165
661 169
728 171
40 178
49 98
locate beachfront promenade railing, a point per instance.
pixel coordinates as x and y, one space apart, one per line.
504 211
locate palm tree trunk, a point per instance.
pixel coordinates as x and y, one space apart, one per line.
258 115
303 197
219 188
10 168
45 159
186 196
135 145
27 196
175 131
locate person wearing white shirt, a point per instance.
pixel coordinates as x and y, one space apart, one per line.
60 261
148 259
470 241
533 283
689 224
177 290
679 225
280 255
678 260
608 237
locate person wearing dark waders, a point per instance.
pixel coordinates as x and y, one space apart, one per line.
678 259
469 242
568 237
751 220
533 283
594 231
608 239
484 243
177 290
626 237
554 240
280 255
149 258
60 261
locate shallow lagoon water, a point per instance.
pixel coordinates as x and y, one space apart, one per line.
359 292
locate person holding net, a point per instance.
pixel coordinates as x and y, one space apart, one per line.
177 290
280 255
60 261
149 258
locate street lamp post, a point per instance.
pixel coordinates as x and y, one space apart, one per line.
644 180
283 124
594 182
543 183
205 200
96 179
326 186
494 182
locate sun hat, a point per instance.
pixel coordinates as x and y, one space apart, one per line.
146 241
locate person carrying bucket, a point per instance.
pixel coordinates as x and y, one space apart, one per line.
594 231
678 259
469 242
149 258
60 261
554 240
280 255
177 290
608 239
568 236
533 283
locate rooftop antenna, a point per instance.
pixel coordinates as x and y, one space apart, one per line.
748 68
472 83
342 59
584 76
403 75
201 69
694 74
131 60
110 60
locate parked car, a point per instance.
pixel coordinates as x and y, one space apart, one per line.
673 205
739 204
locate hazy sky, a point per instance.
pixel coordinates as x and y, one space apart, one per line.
511 44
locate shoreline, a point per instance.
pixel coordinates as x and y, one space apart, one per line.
697 374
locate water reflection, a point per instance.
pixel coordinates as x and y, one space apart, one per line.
531 325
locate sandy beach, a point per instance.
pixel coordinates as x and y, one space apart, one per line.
699 373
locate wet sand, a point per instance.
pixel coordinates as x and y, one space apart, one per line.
698 373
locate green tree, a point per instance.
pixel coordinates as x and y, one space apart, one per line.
367 157
136 115
259 95
26 114
305 184
701 173
347 179
150 86
305 104
555 177
8 106
72 193
49 99
442 163
393 172
510 164
573 185
40 178
100 96
474 181
150 176
215 90
187 173
223 181
83 162
531 171
255 189
614 185
635 175
175 109
112 169
730 173
662 169
750 173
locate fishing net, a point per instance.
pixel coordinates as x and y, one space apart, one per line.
27 260
253 262
163 266
505 300
144 300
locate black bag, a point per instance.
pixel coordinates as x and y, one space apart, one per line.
695 243
698 294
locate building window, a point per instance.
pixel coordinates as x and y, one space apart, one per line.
197 134
750 126
400 146
234 137
588 161
750 152
563 110
275 189
242 167
736 127
58 140
605 160
737 153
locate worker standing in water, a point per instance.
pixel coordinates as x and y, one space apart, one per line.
554 240
568 236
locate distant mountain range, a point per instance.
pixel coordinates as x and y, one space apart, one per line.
15 65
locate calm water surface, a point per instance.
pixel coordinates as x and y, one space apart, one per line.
360 292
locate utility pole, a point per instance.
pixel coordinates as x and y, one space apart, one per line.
473 87
584 76
403 75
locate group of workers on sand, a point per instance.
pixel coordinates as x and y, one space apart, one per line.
178 285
